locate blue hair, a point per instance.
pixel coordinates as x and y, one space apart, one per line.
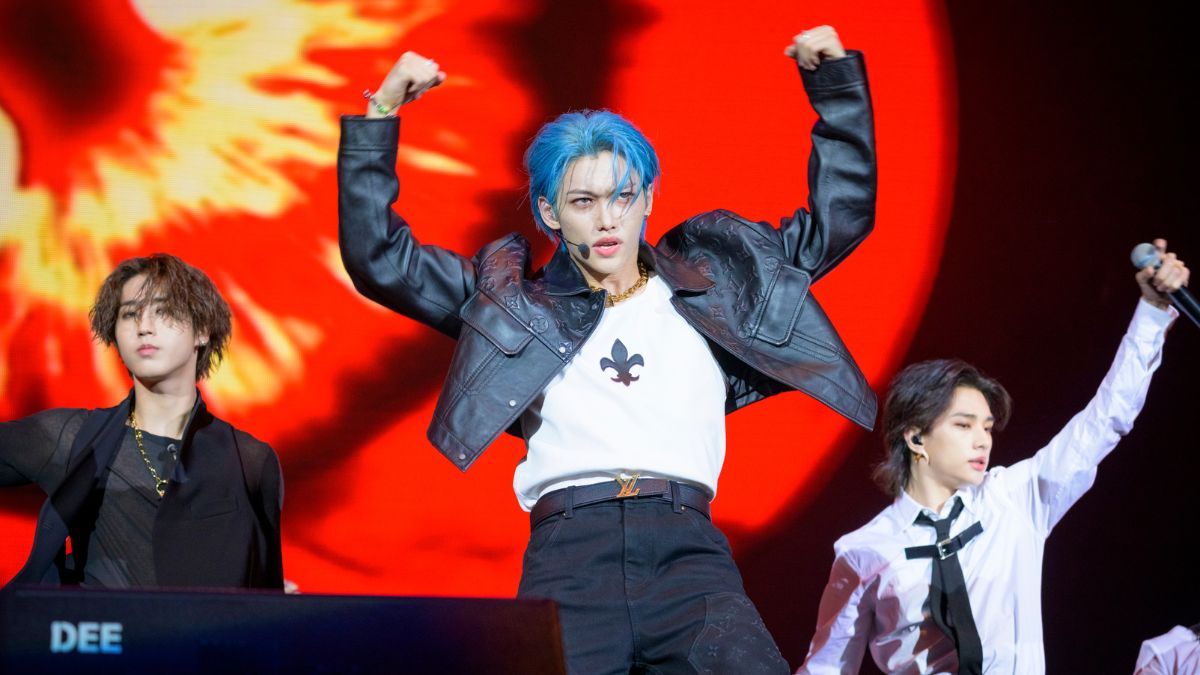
586 133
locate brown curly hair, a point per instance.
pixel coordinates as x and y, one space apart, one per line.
187 295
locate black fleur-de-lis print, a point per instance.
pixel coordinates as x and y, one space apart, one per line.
622 363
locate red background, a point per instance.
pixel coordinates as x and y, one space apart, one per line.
1009 139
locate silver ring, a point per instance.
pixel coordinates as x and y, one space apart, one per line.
430 62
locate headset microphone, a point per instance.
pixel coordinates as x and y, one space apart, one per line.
584 249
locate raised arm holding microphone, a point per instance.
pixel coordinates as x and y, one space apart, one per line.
617 361
948 578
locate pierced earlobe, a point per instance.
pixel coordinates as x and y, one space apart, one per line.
549 217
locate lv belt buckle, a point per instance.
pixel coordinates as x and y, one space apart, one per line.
627 486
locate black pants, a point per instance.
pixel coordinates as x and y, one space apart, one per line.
645 588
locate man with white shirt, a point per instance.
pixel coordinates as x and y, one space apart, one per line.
948 578
1176 652
618 360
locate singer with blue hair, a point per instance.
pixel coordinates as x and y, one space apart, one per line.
618 360
586 133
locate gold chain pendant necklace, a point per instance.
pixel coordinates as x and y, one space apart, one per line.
160 484
613 299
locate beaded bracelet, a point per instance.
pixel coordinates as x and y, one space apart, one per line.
379 107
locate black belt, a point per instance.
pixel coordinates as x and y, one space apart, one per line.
566 500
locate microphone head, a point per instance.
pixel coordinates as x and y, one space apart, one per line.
1144 255
583 249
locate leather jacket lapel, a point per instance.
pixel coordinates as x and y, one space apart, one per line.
561 276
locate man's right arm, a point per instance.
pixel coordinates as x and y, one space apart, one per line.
35 449
385 261
844 622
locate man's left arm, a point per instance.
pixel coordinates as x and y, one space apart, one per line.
273 504
266 495
841 167
1060 473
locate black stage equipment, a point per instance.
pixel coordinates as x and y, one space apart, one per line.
51 630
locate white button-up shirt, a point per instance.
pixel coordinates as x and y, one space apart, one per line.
1175 653
876 598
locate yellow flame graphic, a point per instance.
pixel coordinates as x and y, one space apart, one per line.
220 143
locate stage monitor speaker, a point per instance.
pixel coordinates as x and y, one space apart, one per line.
51 630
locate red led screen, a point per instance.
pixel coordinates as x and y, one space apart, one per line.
209 130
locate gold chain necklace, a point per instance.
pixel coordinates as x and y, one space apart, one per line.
613 299
160 485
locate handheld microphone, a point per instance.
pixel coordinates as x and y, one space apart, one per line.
1145 255
584 249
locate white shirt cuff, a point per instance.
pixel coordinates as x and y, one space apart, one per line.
1150 322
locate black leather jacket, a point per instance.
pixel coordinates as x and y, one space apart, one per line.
743 285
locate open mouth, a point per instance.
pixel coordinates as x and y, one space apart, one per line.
607 246
979 464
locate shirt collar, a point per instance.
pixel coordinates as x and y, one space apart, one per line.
907 508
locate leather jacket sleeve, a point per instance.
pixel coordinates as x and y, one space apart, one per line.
841 169
385 261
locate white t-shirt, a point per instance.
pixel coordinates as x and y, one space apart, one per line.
643 395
